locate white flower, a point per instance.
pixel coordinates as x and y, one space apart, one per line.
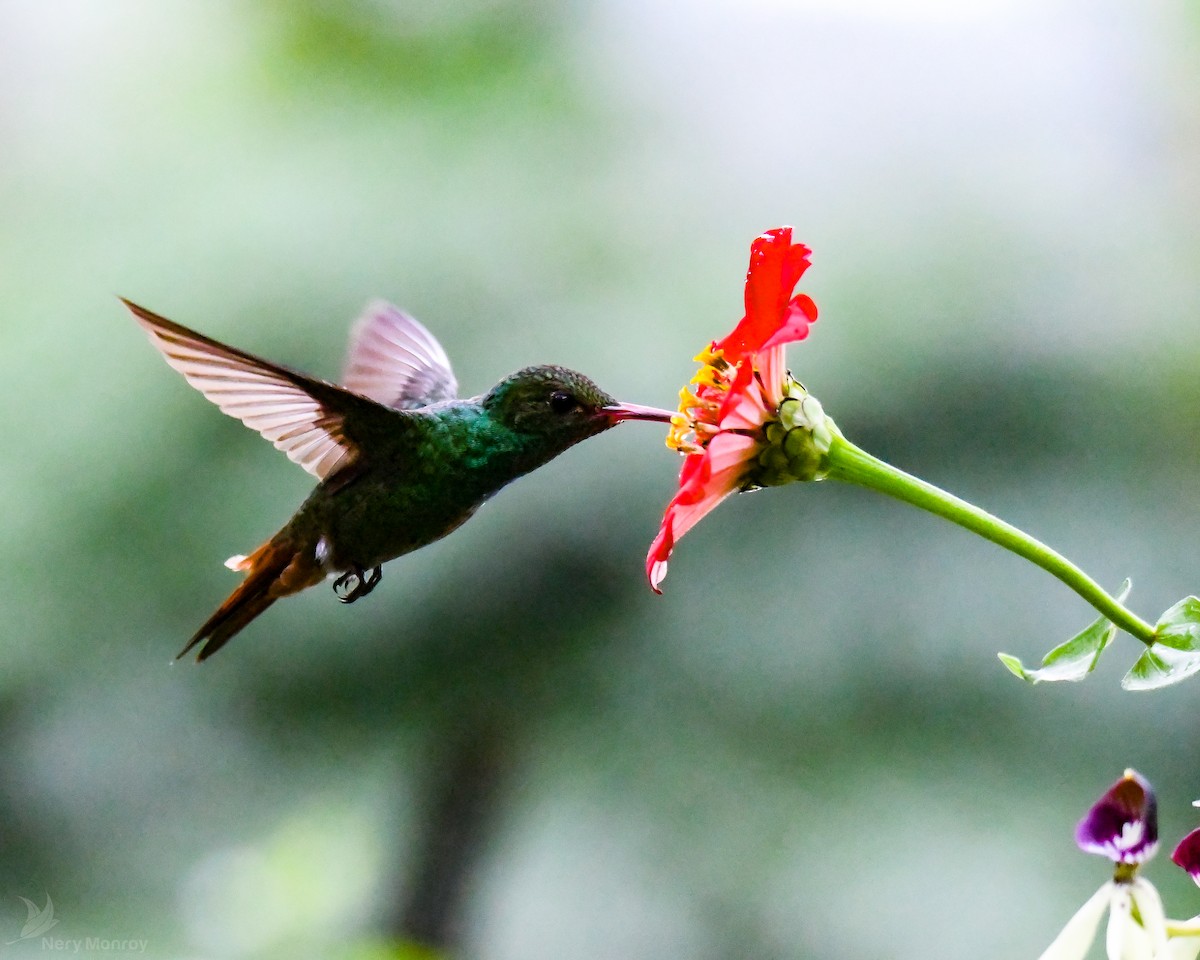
1185 941
1126 938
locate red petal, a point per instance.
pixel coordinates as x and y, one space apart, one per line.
801 313
705 480
743 377
744 406
776 265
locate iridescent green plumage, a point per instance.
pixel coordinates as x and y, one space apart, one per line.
401 463
421 473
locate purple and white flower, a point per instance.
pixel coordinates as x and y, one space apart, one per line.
1187 854
1123 826
1185 935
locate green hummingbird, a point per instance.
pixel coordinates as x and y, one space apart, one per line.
401 460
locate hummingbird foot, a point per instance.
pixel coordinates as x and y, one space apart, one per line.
356 583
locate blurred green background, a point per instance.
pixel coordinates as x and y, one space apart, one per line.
806 747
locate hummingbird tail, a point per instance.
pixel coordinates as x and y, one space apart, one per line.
276 569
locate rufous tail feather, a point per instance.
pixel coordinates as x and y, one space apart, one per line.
274 570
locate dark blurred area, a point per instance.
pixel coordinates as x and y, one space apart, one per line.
512 749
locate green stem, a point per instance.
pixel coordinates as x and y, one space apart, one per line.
853 465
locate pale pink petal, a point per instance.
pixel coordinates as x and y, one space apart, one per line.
744 406
729 450
705 480
772 367
797 317
747 411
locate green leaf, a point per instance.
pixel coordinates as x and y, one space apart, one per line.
1161 666
1179 627
1074 659
1014 665
1175 654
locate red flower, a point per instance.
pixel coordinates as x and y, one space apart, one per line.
722 422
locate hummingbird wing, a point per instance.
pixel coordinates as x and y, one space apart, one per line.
300 415
395 361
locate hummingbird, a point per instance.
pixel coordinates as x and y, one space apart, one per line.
401 460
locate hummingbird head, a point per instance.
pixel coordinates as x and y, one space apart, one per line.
559 406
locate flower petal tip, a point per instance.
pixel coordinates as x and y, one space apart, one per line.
656 571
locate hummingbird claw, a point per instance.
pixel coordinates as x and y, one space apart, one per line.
356 583
343 588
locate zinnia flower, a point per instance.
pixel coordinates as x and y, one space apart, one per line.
735 422
1123 826
744 423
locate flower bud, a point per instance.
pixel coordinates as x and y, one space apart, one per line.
795 445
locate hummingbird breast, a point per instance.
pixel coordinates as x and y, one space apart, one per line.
379 516
409 490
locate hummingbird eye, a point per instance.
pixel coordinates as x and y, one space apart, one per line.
562 402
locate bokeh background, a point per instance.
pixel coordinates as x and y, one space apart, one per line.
513 750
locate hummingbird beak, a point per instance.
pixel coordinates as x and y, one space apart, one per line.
617 412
